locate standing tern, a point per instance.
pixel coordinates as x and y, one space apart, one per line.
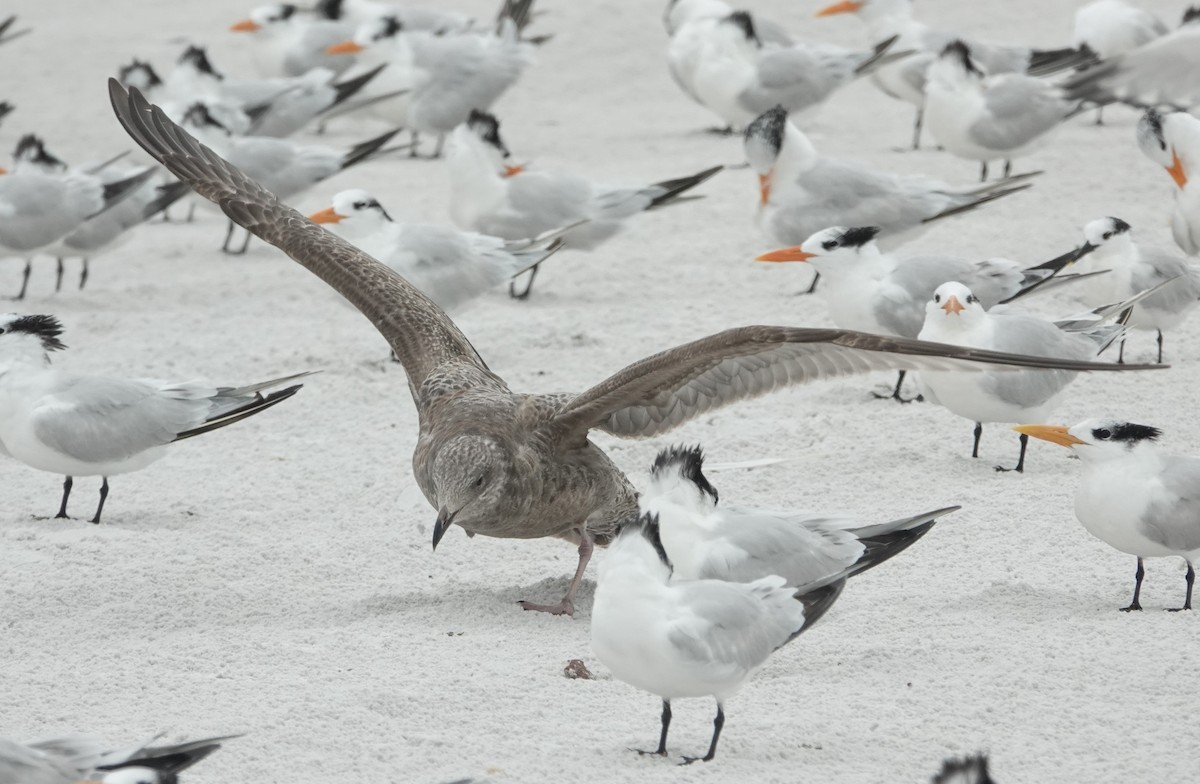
691 638
81 425
1110 28
516 202
906 80
450 267
286 43
705 541
1172 141
984 117
956 316
72 760
1133 497
1133 268
870 291
516 465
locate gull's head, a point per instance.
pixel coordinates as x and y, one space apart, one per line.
199 117
1157 138
680 470
953 305
196 58
31 337
139 74
1106 235
368 34
265 17
638 545
31 153
469 476
829 249
1096 439
741 23
356 211
133 775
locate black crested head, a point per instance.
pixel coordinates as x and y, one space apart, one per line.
648 525
1126 433
1191 14
769 127
389 26
329 9
152 78
960 52
30 148
690 463
198 114
487 127
858 236
1119 226
287 11
198 57
744 22
46 328
1152 124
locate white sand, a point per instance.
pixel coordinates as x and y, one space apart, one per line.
276 578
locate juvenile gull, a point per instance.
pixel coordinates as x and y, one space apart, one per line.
518 465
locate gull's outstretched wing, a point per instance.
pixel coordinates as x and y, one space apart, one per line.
663 391
422 335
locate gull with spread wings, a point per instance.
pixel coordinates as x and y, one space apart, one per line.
517 465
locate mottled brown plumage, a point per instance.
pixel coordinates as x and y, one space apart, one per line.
513 465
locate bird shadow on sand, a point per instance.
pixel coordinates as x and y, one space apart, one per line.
471 603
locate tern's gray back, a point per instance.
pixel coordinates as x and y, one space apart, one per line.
1019 109
1175 521
1039 338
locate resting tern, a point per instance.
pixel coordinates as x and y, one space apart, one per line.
802 192
1173 142
956 316
1133 268
1133 497
691 638
81 425
71 760
906 80
705 541
984 117
473 426
286 167
516 203
870 291
286 43
451 267
1110 28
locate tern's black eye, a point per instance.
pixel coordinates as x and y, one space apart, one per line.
360 205
1103 434
1106 235
972 298
937 297
829 244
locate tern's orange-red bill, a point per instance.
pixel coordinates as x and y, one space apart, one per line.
786 254
326 215
1055 434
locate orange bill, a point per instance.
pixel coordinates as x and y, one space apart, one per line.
844 7
952 305
786 254
326 215
345 47
512 171
3 170
764 188
1055 434
1176 170
246 26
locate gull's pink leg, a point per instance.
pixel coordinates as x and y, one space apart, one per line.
567 605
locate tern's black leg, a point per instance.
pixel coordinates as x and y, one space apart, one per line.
1160 346
103 496
25 279
191 216
1007 168
718 723
917 123
58 276
412 151
62 509
83 274
896 392
983 172
1187 601
512 286
1099 115
1020 467
812 286
1136 604
662 739
437 150
978 435
1121 353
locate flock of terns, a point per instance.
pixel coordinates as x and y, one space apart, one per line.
694 595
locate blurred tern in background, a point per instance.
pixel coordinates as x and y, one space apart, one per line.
1172 141
983 117
72 760
286 43
706 541
1132 268
691 638
85 425
1110 28
1132 496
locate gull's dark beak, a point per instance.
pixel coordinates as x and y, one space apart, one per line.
1081 251
445 519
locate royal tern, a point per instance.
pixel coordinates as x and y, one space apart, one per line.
1133 268
81 425
286 168
1132 496
521 202
1110 28
450 267
473 427
802 192
72 760
906 80
705 541
956 316
691 638
286 43
985 117
1172 141
871 291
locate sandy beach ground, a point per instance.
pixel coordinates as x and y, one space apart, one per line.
276 579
